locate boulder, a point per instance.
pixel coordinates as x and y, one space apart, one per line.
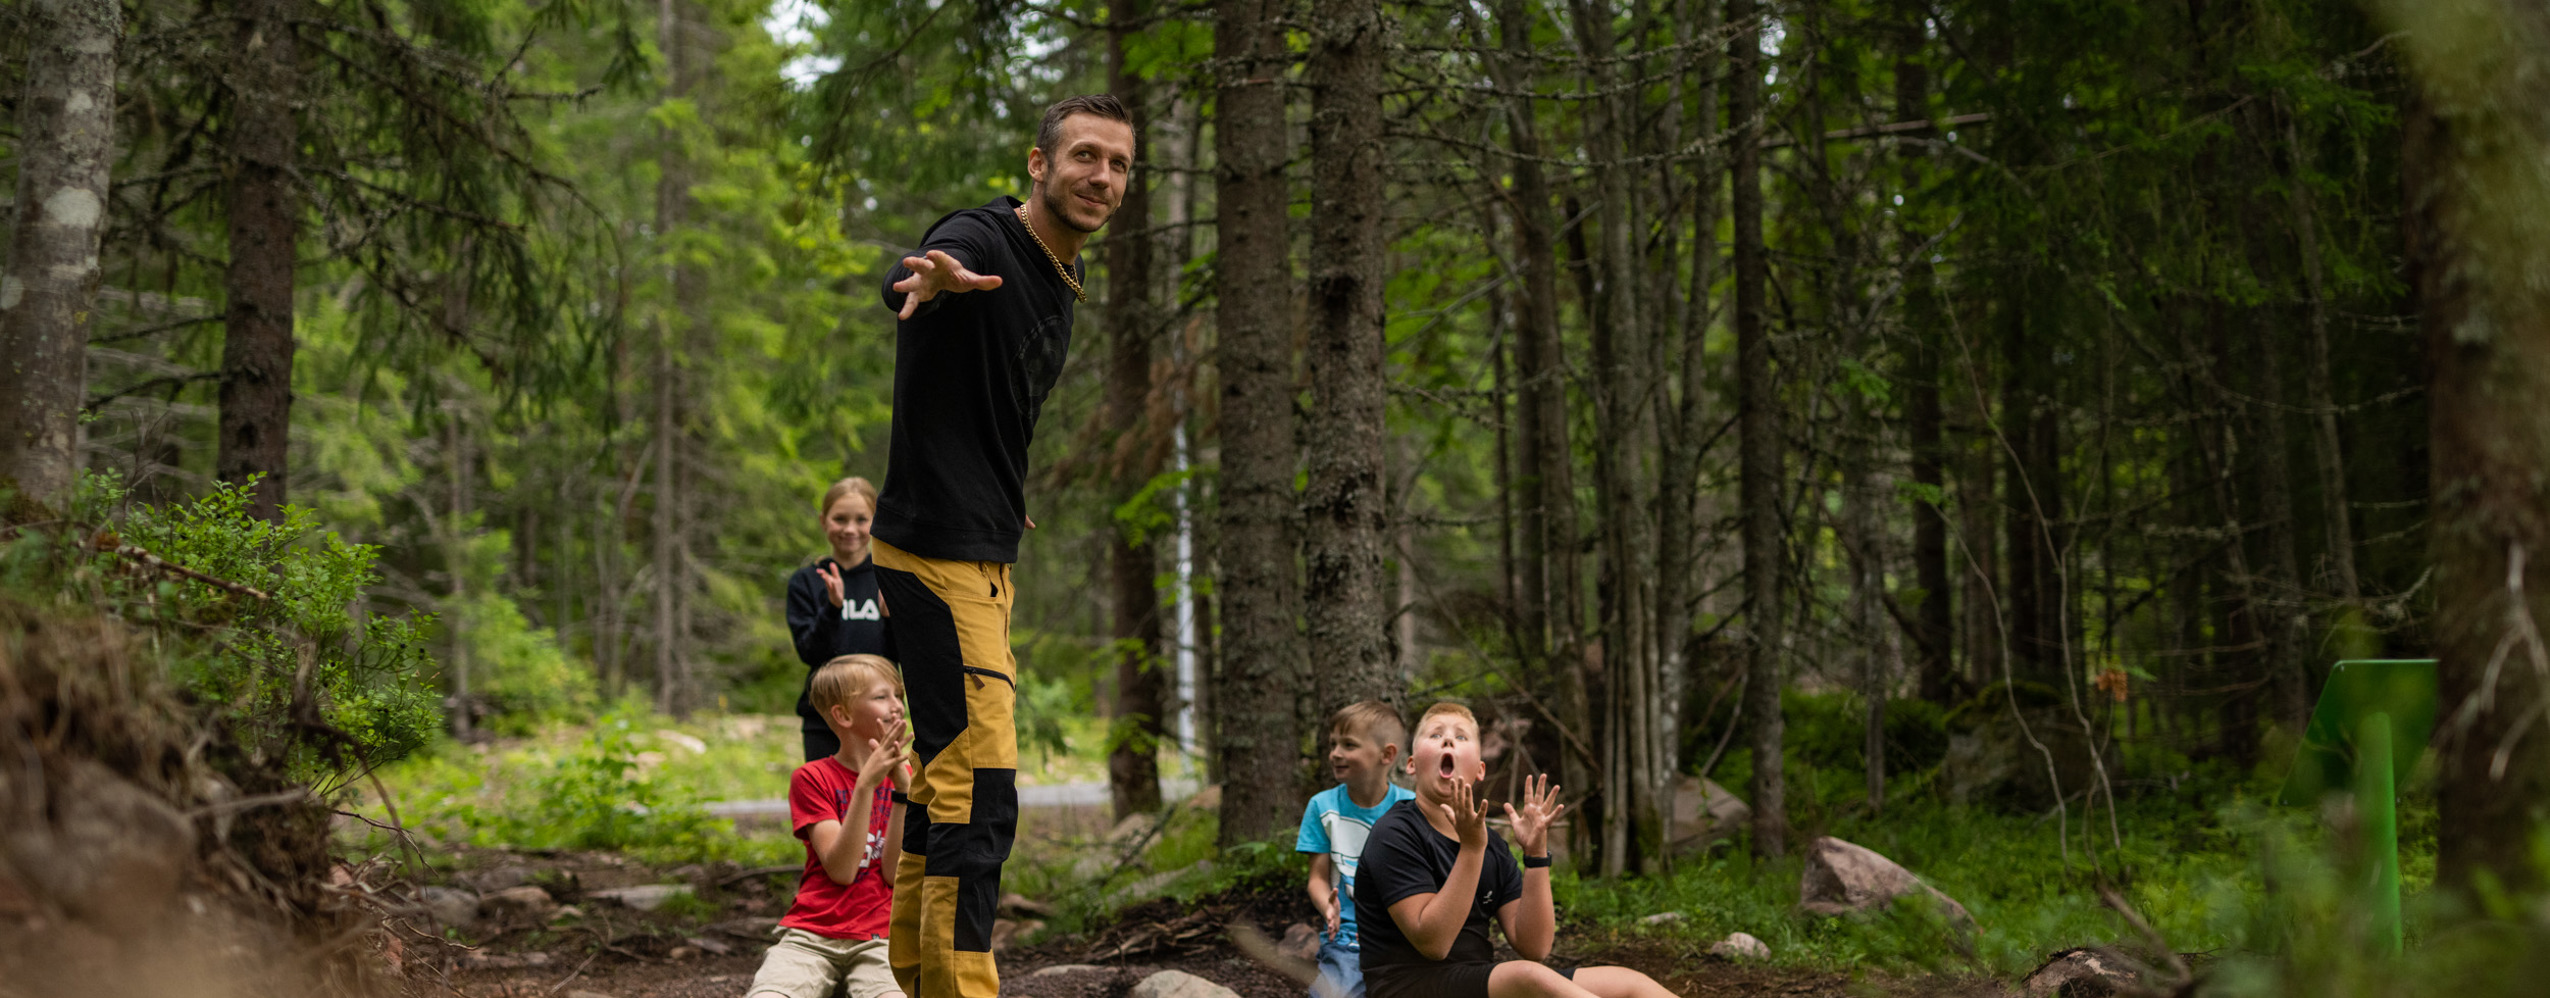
643 897
1740 946
2081 973
526 901
448 907
1179 984
1301 942
1842 878
495 879
1704 812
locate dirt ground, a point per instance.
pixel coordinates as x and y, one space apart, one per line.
598 947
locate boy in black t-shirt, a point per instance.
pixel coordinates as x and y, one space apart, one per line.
1438 871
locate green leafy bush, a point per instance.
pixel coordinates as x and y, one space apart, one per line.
519 672
267 625
592 799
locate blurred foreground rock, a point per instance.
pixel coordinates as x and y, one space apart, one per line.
1179 984
1740 946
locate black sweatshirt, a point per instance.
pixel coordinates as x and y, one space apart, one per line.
824 632
971 372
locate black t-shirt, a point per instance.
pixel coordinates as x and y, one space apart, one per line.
824 632
971 372
1405 857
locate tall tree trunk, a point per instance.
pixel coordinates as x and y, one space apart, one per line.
1347 605
682 28
1261 673
1759 443
2317 392
2476 135
1621 411
264 218
1678 474
1552 598
48 289
1133 760
1934 630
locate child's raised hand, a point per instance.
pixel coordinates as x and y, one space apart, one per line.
1540 809
885 757
1468 814
831 583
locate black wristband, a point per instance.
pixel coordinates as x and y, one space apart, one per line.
897 797
1535 862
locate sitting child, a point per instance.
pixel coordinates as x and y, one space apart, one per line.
1364 740
833 941
1433 872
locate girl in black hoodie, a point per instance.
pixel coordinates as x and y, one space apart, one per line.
832 604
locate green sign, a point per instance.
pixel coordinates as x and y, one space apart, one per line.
2372 721
2358 689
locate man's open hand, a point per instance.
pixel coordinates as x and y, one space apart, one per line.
935 272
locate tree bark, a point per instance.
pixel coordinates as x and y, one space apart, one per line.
1133 758
2477 132
48 291
1759 442
264 220
1934 630
681 27
1345 509
1261 654
2334 508
1552 599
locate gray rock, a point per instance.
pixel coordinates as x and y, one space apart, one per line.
1842 878
448 907
495 879
719 947
1066 969
1301 942
1704 812
2081 973
1179 984
512 901
1661 918
643 897
1740 946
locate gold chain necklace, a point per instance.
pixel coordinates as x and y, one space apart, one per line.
1076 293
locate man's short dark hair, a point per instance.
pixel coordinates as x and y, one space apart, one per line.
1103 105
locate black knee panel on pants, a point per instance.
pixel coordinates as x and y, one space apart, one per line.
933 662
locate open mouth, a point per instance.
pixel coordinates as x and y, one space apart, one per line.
1444 766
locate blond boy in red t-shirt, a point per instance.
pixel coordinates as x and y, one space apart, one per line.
833 941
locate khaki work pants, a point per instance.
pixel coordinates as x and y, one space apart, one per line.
951 625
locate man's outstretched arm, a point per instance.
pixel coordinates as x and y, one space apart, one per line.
933 273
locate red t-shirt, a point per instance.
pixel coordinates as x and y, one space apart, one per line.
821 791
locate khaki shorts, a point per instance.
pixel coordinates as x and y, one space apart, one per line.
804 965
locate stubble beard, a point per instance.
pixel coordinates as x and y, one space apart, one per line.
1058 205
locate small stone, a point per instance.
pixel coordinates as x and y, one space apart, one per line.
1064 969
710 945
1661 918
683 953
643 897
1020 904
448 907
565 913
1179 984
1301 942
1740 946
524 900
688 743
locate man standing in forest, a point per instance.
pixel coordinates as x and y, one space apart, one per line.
971 371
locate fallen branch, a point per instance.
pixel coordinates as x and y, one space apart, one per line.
106 541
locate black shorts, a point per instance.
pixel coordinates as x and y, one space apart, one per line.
1442 980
